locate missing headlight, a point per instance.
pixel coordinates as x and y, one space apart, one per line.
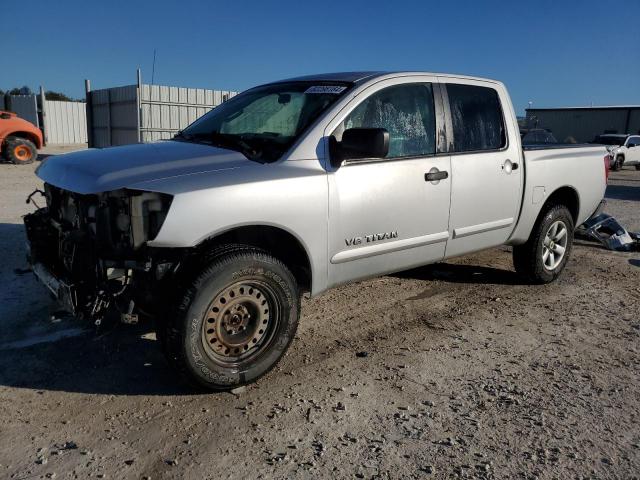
148 212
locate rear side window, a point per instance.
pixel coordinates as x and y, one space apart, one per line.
406 111
477 118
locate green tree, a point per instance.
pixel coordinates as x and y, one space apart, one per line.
24 90
51 95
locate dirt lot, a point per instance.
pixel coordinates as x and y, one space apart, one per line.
467 373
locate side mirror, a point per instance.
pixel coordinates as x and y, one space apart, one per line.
359 143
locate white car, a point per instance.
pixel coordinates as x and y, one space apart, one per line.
624 149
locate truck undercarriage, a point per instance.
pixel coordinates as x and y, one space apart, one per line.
90 250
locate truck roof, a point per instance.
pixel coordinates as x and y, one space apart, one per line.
358 77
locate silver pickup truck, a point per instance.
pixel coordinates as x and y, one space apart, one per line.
298 186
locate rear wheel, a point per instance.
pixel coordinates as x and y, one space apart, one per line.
234 322
544 256
20 150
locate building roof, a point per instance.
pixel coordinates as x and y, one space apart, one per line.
603 107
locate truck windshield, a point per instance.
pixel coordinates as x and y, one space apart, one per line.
264 122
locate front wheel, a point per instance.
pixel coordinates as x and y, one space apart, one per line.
20 150
637 167
543 257
234 322
618 163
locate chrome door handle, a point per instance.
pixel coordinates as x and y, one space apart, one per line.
508 166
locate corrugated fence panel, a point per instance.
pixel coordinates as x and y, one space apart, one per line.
115 116
65 122
25 106
163 111
166 110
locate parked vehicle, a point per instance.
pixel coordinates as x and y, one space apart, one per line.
624 149
19 139
537 136
299 186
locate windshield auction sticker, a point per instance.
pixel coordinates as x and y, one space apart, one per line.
335 89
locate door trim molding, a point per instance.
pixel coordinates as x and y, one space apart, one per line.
482 227
388 247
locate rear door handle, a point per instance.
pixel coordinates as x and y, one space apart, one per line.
436 175
508 166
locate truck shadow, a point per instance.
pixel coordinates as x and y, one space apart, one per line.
123 361
66 354
460 273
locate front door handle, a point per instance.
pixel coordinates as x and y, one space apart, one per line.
435 175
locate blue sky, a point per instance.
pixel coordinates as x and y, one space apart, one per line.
553 53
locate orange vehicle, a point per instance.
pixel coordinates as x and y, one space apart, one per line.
19 139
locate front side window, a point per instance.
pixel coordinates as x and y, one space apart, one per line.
405 111
477 118
264 122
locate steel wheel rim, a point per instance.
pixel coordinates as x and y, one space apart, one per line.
240 322
22 153
554 246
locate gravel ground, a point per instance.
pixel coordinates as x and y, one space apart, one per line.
456 370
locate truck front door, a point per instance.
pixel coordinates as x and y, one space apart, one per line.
384 215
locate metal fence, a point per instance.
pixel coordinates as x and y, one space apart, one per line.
145 113
60 122
64 122
25 106
166 110
113 116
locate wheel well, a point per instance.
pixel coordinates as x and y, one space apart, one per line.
568 197
278 242
27 136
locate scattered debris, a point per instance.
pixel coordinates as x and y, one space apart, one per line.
606 230
239 390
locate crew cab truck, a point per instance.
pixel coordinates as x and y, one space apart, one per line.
299 186
19 139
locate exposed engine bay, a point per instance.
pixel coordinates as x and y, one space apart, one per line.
90 250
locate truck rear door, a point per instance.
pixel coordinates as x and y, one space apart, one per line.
486 169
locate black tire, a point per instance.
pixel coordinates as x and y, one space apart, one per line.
249 288
19 150
528 257
637 167
617 165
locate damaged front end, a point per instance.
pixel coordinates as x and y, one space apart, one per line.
91 250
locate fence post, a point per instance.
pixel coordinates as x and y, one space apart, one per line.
89 107
139 99
43 110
